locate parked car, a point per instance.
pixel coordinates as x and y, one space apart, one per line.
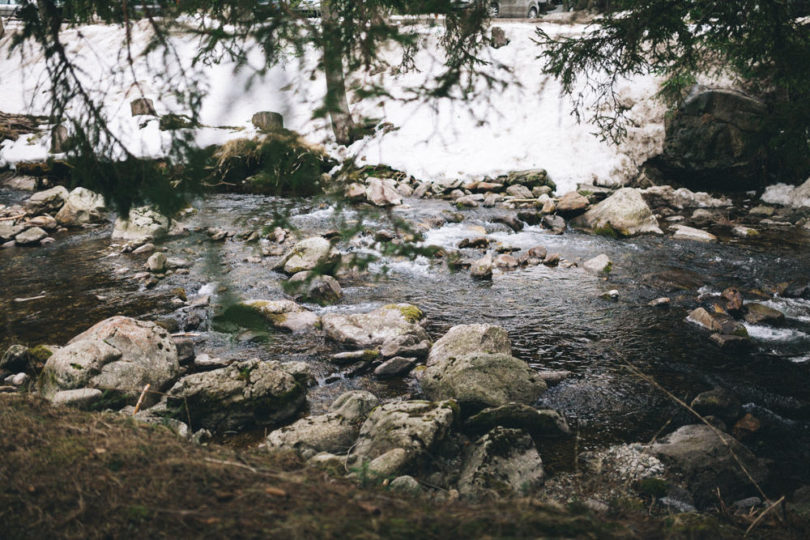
509 8
9 8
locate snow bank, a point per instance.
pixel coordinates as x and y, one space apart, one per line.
528 124
786 195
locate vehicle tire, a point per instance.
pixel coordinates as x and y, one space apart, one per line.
532 12
494 10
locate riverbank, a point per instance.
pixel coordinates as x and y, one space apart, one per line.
90 475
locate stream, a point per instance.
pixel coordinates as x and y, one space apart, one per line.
556 317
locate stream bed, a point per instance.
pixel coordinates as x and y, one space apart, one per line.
557 318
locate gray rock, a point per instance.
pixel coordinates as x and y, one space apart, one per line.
9 231
15 359
682 232
394 367
373 329
540 424
405 484
30 236
82 207
469 338
600 264
244 394
682 198
478 380
46 201
397 436
382 193
308 287
624 214
205 362
555 223
622 464
268 121
482 268
43 221
334 432
503 462
406 346
309 254
119 355
156 263
519 191
285 314
530 178
702 458
143 225
80 398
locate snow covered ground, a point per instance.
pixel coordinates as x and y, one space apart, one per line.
526 125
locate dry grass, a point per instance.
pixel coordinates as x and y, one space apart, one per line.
71 474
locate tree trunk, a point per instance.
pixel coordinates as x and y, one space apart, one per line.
2 30
336 102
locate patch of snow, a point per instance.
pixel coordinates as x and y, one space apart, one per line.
787 195
526 124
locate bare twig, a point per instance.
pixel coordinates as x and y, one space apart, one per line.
763 514
140 399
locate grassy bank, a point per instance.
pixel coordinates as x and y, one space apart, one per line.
71 474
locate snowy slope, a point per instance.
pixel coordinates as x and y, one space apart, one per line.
526 125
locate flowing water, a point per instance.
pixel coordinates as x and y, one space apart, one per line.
556 317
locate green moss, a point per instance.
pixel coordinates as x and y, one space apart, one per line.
410 312
40 353
606 230
653 487
740 331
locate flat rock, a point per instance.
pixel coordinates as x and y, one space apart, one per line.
30 237
682 232
309 254
394 367
245 394
47 201
761 314
80 398
285 314
373 329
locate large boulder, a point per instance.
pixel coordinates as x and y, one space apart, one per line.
309 254
622 214
82 207
333 432
396 436
503 462
373 329
244 394
478 380
715 141
46 201
119 356
468 338
144 224
704 458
